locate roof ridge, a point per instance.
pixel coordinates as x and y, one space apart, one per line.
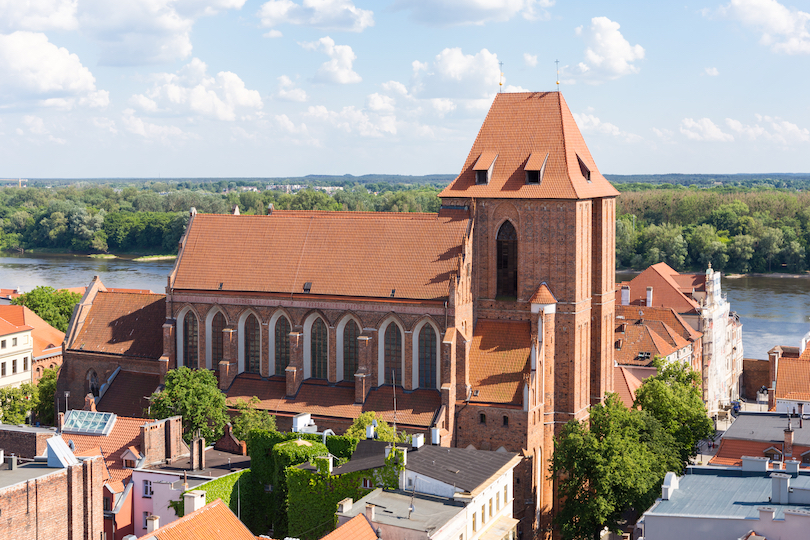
333 213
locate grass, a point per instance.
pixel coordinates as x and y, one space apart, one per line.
155 258
102 256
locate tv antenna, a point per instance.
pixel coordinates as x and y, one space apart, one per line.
500 79
558 74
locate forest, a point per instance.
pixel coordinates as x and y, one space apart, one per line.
735 228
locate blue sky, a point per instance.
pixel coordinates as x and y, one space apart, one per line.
223 88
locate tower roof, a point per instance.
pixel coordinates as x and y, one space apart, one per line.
531 131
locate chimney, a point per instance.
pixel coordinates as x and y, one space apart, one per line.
625 295
370 512
89 403
417 440
60 421
12 462
649 296
236 210
193 501
369 431
197 458
345 505
152 523
787 449
792 467
435 436
780 485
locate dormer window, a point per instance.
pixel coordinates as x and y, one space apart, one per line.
483 167
535 168
586 172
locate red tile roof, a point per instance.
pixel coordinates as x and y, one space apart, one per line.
415 408
625 385
667 292
47 339
499 360
793 378
543 295
664 314
126 432
637 342
361 254
214 521
125 324
128 393
517 126
7 328
731 451
357 528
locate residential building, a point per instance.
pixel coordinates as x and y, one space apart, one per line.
775 436
16 352
492 320
698 299
47 340
201 521
628 379
789 388
642 333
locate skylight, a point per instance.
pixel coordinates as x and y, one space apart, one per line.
89 422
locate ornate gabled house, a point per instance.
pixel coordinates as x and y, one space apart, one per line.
491 321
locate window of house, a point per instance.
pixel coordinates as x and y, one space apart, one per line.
13 342
3 344
482 418
535 169
253 342
3 369
147 488
25 363
129 464
410 482
190 341
282 345
481 177
586 172
217 339
507 255
483 514
367 483
497 501
350 334
474 522
107 504
392 363
490 507
145 516
505 421
427 357
505 494
318 349
14 366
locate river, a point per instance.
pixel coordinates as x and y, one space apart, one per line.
774 310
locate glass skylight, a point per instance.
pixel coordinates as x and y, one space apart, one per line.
89 422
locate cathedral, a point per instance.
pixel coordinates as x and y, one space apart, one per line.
488 324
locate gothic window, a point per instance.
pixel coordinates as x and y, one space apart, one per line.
350 334
282 345
92 383
393 355
217 326
506 252
191 353
253 342
427 357
318 349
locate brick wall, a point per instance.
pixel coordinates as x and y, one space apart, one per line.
162 440
25 444
755 375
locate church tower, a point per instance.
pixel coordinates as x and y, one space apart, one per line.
543 256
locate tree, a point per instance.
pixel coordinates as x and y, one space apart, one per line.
673 397
54 307
251 418
740 251
706 246
193 394
17 403
46 390
385 432
664 243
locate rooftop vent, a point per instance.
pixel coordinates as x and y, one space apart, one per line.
307 287
393 292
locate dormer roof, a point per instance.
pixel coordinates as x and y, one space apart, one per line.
520 126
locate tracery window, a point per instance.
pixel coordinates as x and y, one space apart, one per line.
392 362
253 342
427 357
318 349
282 340
506 252
350 335
191 351
217 340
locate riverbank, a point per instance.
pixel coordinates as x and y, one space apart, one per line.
46 252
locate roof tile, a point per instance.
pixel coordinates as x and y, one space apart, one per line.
214 521
499 358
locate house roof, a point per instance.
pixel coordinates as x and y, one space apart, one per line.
357 528
356 254
667 291
414 408
543 295
767 427
128 324
793 378
47 339
125 433
518 126
625 384
128 394
465 468
214 521
638 342
369 454
664 314
7 328
499 358
731 451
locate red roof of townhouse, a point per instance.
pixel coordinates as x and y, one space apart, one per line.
7 328
214 521
793 378
669 288
47 339
357 528
125 433
628 379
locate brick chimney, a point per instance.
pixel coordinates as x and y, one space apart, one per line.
370 512
625 295
89 403
197 458
60 421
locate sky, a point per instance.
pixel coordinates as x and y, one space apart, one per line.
273 88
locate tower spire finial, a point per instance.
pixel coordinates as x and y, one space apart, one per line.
500 79
558 74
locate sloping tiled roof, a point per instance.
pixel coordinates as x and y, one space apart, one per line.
359 254
357 528
667 292
7 328
126 432
626 385
543 295
793 379
499 358
124 323
731 451
415 408
664 314
214 521
46 337
517 126
128 393
633 339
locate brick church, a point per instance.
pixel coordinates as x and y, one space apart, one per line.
491 322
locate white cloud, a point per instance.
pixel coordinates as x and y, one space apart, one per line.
454 74
712 72
38 15
608 54
192 90
783 29
775 129
288 92
380 103
589 123
396 87
530 59
703 130
338 70
325 14
353 120
148 130
284 122
36 70
478 12
273 34
105 124
36 126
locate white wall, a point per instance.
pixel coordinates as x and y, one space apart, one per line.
158 503
24 348
678 528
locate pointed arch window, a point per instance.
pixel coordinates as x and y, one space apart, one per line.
318 349
393 355
507 254
427 357
191 351
217 340
253 342
350 334
92 383
282 351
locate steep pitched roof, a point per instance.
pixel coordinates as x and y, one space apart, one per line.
625 385
637 344
125 324
499 358
358 254
128 393
667 292
520 125
214 521
793 378
47 339
664 314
